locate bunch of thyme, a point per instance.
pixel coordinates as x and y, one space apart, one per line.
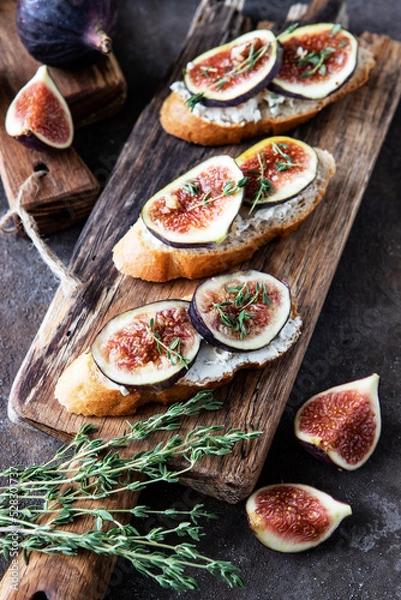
53 495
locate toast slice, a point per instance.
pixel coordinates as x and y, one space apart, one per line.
140 254
263 115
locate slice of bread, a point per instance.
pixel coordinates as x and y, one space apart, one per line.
83 389
141 254
215 127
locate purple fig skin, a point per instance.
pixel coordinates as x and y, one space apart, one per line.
32 142
66 34
277 89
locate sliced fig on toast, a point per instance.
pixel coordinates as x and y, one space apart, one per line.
292 517
148 347
317 60
342 424
277 168
232 73
198 208
240 311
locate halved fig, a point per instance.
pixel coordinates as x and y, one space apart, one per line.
148 347
292 517
198 208
342 424
317 60
39 117
231 74
240 311
277 168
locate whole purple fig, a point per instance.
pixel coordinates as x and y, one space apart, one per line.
66 33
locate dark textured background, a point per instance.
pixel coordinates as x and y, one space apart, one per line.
357 334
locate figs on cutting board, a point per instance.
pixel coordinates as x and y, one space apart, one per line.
39 117
317 60
198 208
342 424
240 311
148 347
232 73
277 168
292 517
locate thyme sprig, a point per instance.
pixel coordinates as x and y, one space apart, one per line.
243 299
316 59
229 189
265 186
93 468
172 351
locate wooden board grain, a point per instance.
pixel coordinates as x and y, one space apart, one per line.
69 190
352 129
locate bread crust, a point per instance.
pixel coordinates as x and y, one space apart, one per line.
139 254
83 389
178 120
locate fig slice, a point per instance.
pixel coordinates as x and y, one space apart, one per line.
277 168
240 311
342 424
292 517
232 73
317 60
148 347
198 208
39 117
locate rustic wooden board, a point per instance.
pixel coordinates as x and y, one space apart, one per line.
352 129
68 191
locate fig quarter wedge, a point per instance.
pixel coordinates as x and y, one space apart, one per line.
292 517
39 117
342 425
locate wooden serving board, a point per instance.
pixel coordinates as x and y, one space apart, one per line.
352 129
68 191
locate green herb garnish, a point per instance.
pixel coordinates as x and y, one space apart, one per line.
193 100
265 186
56 493
316 60
173 351
242 301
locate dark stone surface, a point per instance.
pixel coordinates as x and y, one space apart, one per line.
357 334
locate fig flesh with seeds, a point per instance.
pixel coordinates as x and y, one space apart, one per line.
242 311
148 347
199 207
293 517
39 116
232 73
278 168
342 425
317 60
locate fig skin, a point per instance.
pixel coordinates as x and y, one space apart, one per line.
342 425
67 34
293 517
39 117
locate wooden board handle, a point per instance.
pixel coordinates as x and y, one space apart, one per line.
81 577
